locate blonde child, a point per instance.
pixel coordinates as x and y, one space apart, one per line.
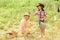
25 24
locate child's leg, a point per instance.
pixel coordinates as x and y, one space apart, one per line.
23 32
27 31
42 30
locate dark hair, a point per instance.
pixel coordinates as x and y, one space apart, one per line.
42 5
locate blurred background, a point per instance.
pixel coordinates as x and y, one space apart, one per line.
12 11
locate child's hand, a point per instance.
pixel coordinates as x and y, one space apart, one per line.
29 25
33 14
36 13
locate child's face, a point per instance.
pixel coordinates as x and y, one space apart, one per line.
39 7
26 17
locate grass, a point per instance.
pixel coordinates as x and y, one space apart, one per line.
12 11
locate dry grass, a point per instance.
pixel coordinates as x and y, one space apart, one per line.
52 33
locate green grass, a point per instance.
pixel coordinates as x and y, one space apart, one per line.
12 11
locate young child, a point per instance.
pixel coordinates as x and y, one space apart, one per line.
25 24
41 16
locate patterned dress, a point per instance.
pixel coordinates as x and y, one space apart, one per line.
24 26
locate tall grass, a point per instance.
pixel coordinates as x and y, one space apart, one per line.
11 11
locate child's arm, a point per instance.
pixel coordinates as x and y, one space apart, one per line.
36 13
45 15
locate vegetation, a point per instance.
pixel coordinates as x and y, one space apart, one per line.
12 11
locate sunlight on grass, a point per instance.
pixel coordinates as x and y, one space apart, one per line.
12 11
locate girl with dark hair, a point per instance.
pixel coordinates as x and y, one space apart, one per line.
41 16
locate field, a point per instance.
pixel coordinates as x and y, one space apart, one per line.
12 11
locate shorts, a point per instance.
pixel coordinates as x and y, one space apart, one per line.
42 24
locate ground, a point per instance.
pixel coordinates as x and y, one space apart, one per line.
52 33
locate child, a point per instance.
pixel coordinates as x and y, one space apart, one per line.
25 24
41 15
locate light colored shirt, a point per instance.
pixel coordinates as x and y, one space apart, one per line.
24 25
